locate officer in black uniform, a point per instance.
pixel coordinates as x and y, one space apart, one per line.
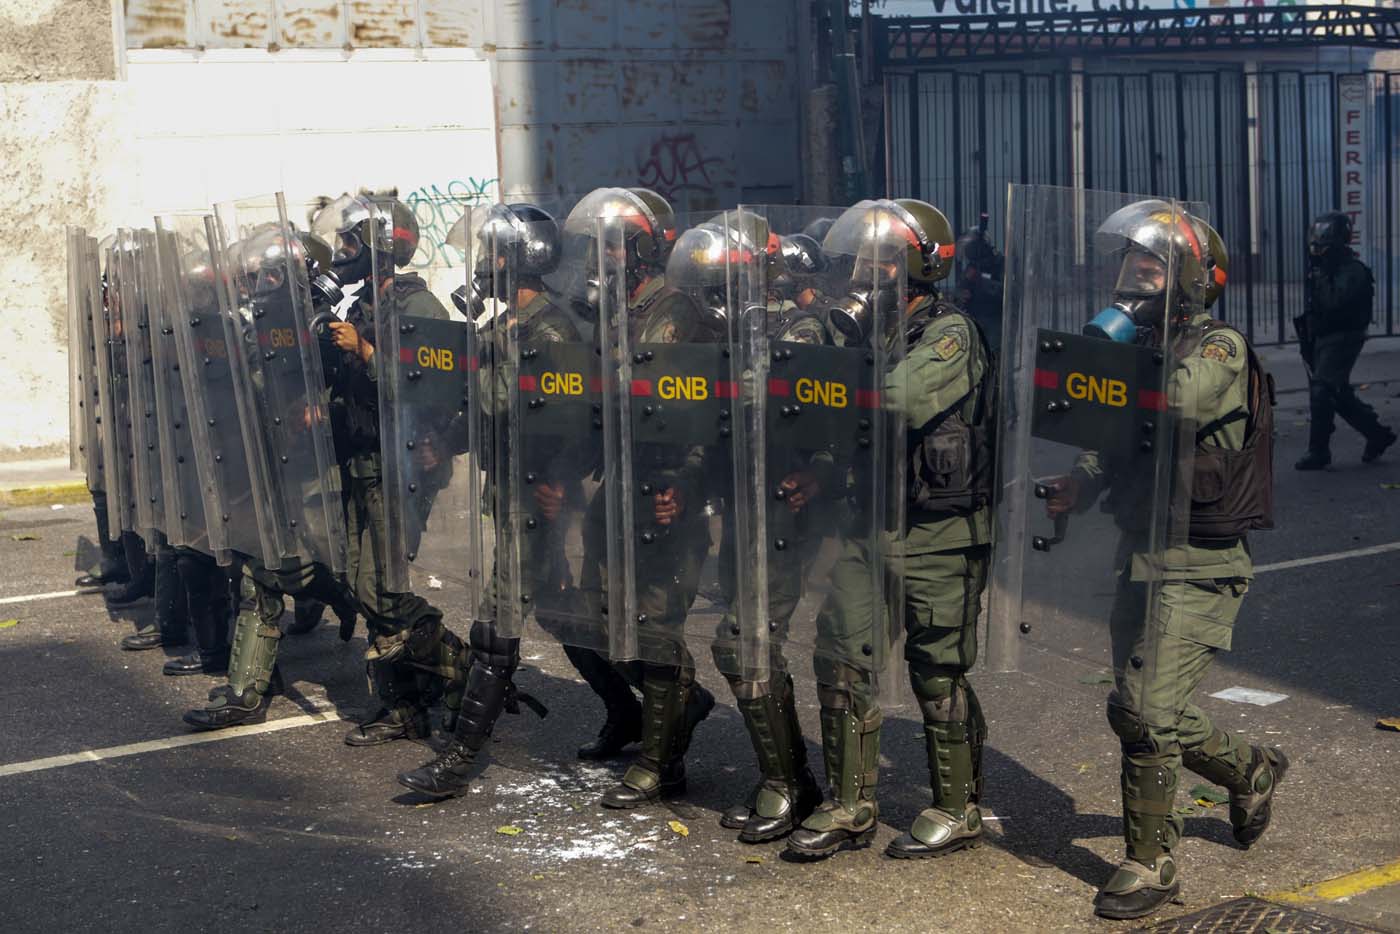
1331 332
978 288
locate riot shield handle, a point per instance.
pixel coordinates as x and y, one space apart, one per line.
320 324
1040 542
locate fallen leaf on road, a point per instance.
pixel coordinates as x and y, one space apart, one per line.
677 827
755 860
1363 387
1083 767
25 538
1188 811
8 623
509 830
1207 796
70 554
1384 723
1390 486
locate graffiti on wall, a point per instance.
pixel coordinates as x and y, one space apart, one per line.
676 167
437 208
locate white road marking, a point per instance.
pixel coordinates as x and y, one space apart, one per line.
1258 569
1332 556
27 598
169 742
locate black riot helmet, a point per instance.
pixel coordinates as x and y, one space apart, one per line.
976 256
1330 235
642 225
803 264
354 222
512 245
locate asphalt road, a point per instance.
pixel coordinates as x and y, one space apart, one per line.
291 829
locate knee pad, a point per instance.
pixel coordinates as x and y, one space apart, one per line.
943 700
848 690
1130 728
260 599
491 649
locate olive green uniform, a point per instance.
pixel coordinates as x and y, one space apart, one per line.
667 575
1172 614
401 626
414 660
944 569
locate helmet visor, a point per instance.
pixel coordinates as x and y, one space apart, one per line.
340 216
1141 274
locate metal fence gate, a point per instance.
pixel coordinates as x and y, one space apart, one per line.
1263 149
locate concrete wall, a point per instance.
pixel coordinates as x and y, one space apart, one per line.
454 102
61 119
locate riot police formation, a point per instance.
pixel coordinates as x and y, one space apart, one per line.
788 446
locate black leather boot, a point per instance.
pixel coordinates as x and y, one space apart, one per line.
390 724
789 792
141 573
228 708
171 612
450 773
673 705
624 715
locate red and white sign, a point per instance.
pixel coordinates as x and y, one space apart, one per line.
1353 98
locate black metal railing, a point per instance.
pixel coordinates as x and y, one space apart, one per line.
936 39
1263 150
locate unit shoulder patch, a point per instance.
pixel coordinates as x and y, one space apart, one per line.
1221 347
951 342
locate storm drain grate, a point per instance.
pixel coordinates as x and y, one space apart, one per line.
1255 916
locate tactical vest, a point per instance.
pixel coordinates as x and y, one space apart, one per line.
952 461
1232 492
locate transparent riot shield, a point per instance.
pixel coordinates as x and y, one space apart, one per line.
186 523
269 291
84 392
1096 440
146 482
538 422
675 430
212 339
119 451
423 374
822 343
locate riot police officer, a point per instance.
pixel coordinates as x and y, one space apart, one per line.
531 471
939 392
782 281
977 290
1175 609
413 659
1331 332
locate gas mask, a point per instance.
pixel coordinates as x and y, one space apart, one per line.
468 302
871 287
352 262
1139 301
325 286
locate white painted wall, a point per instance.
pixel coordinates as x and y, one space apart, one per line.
187 129
229 124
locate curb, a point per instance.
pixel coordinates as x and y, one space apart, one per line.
69 493
1346 886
